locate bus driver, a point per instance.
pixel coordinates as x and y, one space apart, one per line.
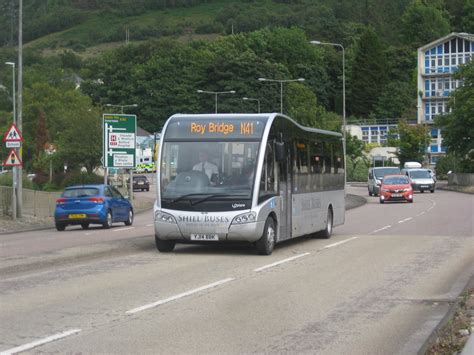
205 166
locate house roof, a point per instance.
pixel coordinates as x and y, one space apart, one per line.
464 35
142 133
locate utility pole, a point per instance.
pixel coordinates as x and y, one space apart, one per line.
20 106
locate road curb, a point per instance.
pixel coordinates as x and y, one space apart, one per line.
448 316
354 201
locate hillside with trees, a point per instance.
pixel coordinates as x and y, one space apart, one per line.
76 60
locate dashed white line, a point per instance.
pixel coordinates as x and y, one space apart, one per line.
150 225
122 229
280 262
405 220
421 214
381 229
181 295
338 243
34 344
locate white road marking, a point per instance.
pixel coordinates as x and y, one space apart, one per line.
150 225
338 243
34 344
280 262
178 296
421 213
405 220
381 229
122 229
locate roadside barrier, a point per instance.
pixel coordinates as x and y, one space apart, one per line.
35 203
41 204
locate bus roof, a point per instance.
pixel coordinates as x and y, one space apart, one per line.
265 117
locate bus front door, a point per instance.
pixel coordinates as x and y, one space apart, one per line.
285 194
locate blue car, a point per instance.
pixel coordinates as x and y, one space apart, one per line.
86 204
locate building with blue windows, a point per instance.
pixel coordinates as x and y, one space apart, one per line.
437 61
372 133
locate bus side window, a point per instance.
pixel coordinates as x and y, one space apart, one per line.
267 180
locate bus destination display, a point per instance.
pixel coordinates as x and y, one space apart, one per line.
235 128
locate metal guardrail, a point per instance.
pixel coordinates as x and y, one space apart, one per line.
35 203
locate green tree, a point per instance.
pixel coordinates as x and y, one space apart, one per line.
395 99
355 153
423 23
458 126
61 115
411 140
369 73
467 21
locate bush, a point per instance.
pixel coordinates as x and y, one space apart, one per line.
6 180
360 173
445 163
207 28
81 179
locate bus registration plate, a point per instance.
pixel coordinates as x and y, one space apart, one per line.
211 237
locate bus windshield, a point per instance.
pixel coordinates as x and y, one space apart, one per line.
200 172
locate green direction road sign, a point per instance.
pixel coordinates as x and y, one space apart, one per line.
119 140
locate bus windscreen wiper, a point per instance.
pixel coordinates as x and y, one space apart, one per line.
218 195
188 195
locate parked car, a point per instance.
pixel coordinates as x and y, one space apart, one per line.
421 179
376 175
96 204
396 188
140 182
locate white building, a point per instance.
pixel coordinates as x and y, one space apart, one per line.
437 61
371 133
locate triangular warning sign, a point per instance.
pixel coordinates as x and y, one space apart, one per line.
12 159
13 134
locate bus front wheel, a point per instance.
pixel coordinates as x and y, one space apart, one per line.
164 246
266 243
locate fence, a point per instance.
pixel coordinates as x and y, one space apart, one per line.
41 204
461 179
35 203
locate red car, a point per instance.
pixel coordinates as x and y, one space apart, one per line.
396 188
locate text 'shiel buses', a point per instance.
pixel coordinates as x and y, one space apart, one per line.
253 178
215 128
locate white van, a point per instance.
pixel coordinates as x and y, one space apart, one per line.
421 179
376 175
411 165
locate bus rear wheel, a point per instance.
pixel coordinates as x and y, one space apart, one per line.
327 232
266 243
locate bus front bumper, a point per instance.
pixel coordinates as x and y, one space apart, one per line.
248 232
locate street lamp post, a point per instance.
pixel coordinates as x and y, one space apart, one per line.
121 106
343 100
14 170
252 99
281 87
215 93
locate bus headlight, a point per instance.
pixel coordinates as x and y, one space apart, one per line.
245 218
164 217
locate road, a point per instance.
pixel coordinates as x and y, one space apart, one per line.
379 285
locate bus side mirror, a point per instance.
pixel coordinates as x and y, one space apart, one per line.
280 154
